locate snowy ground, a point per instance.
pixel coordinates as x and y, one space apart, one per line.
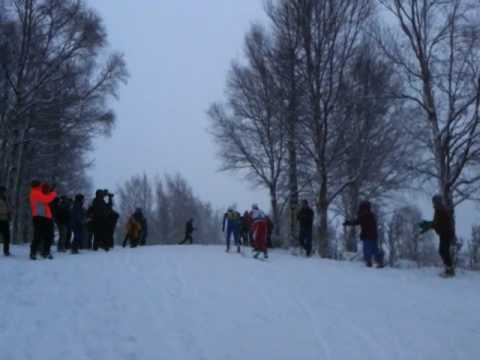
199 303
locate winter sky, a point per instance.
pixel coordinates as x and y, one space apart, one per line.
178 54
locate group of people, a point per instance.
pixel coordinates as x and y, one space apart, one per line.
78 227
254 228
94 228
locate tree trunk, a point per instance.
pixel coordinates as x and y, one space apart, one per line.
322 208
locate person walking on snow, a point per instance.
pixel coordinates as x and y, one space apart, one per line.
305 219
443 224
231 222
189 229
133 230
5 215
260 232
369 234
245 228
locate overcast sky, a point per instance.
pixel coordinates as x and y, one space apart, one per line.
178 53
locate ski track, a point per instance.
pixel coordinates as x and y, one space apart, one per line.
198 303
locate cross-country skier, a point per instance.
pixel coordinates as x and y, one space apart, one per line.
443 224
231 223
369 234
260 231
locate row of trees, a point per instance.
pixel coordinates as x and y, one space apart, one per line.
339 100
56 76
168 204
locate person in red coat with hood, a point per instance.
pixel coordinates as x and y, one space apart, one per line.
260 232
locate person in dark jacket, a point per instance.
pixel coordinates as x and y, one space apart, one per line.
61 211
246 222
305 219
231 226
189 229
98 212
443 224
5 215
78 220
367 221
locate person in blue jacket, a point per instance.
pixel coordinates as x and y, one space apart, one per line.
231 223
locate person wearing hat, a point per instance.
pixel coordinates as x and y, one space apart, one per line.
367 221
231 223
260 232
443 225
5 214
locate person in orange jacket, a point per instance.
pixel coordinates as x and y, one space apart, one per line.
41 196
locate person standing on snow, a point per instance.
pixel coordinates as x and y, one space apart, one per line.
369 234
443 224
41 196
78 220
133 230
305 219
5 215
140 217
189 229
98 212
231 223
260 232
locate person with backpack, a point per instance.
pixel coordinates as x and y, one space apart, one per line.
189 229
5 215
443 224
41 198
367 221
231 223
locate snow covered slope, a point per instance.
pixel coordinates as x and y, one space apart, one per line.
192 302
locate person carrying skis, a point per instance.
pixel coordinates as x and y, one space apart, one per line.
260 232
305 219
133 230
5 215
78 220
189 229
231 222
443 225
369 234
41 196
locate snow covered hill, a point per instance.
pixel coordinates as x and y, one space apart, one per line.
193 302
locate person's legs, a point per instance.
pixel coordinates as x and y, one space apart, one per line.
445 254
308 241
48 235
62 236
368 252
37 237
229 235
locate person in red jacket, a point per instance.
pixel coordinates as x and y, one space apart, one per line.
260 232
41 196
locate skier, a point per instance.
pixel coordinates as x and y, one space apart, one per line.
369 234
231 223
111 221
305 219
245 228
189 229
443 224
260 232
41 196
5 214
78 219
133 230
98 212
143 223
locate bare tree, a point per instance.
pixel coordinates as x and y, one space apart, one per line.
437 51
249 130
